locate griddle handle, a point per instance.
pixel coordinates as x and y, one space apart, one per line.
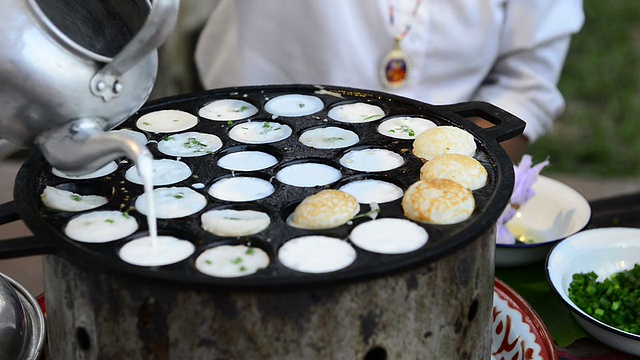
507 126
22 246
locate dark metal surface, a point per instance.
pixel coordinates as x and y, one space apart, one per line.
622 210
443 239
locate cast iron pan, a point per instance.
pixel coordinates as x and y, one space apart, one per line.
48 225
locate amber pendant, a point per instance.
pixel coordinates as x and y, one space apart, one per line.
395 67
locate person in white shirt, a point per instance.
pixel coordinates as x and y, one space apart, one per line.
506 52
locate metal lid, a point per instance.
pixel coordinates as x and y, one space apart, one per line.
22 324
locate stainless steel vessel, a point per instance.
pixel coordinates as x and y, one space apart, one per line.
71 70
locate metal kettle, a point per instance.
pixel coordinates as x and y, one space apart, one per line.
70 70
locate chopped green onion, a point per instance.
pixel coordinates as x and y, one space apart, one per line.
331 139
614 301
371 117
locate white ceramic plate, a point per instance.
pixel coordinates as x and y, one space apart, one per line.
604 251
553 213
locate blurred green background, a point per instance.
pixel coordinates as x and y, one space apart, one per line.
597 136
599 133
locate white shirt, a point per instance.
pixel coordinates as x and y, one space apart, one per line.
507 52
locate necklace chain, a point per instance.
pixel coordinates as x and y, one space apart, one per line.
407 28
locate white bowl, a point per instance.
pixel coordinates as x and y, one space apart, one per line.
604 251
553 213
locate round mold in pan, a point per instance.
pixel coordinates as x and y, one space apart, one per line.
443 239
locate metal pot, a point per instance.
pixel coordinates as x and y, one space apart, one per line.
435 300
72 70
22 324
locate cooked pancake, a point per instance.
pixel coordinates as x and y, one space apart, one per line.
462 169
438 201
443 140
325 210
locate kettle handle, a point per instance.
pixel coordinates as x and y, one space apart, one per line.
154 32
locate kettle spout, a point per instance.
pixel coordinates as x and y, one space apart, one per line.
83 146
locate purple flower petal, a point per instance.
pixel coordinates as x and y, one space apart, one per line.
525 176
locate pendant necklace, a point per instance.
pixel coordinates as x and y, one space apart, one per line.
395 67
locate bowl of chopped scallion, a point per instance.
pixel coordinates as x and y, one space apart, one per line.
596 273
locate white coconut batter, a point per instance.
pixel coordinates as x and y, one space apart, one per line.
230 222
228 261
372 191
247 161
227 110
372 160
356 113
189 144
241 188
260 132
405 127
308 175
294 105
166 121
389 236
329 137
163 250
316 254
165 172
59 199
173 202
101 226
103 171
